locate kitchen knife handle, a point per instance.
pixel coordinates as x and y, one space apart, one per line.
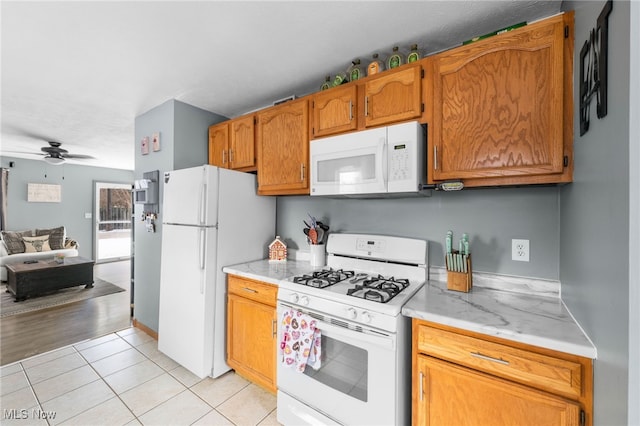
421 386
489 358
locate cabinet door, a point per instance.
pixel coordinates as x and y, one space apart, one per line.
334 111
446 394
498 105
394 96
251 340
242 143
219 145
283 149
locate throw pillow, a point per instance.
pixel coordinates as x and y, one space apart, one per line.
13 240
36 244
56 236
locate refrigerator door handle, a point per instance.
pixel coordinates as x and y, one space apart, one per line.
203 204
203 255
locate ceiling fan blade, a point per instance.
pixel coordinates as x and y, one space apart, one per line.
78 156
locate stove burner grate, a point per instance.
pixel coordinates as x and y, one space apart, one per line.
323 278
379 289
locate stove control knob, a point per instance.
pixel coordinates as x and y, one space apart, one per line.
294 298
366 317
304 300
351 313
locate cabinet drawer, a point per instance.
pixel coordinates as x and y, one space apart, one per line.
254 290
537 370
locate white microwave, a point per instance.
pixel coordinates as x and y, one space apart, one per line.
385 161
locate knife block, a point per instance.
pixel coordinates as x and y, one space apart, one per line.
460 281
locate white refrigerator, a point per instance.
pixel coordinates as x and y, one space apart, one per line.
211 218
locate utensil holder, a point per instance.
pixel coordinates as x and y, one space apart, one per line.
459 281
317 255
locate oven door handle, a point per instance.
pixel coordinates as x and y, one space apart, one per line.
350 335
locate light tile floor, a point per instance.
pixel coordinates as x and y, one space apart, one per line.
122 379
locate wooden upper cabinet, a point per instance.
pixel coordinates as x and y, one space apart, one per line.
232 144
334 111
219 144
394 96
283 149
501 105
242 143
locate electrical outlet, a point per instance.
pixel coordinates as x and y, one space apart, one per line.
520 250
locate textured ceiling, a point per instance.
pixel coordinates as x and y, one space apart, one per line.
80 72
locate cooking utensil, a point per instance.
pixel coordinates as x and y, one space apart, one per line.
313 236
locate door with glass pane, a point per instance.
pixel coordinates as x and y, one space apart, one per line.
112 217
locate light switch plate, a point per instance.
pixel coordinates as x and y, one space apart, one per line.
520 250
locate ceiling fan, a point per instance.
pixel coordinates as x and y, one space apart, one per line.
56 155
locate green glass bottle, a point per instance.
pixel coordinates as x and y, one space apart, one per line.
327 83
414 54
395 59
355 70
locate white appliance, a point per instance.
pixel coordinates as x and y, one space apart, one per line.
365 373
211 218
385 160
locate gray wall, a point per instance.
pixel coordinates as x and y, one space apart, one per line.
77 184
183 143
595 219
491 217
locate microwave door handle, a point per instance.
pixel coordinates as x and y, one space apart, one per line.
384 161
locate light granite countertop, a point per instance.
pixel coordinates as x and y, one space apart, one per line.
531 319
270 272
535 319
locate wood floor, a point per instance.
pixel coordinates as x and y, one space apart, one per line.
32 333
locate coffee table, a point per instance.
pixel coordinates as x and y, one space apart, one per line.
44 276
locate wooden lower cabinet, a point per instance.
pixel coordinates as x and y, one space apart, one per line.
464 378
251 330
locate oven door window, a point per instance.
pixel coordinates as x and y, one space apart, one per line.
344 368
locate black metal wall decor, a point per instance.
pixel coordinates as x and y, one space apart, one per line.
593 69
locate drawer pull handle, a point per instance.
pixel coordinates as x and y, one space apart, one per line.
250 290
489 358
421 390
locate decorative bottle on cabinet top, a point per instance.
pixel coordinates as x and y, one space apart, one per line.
375 66
355 70
340 78
327 83
414 54
395 59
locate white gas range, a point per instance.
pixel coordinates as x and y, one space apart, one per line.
356 300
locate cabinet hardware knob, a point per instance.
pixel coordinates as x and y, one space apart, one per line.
350 110
250 290
421 386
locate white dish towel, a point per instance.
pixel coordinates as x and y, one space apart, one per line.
300 340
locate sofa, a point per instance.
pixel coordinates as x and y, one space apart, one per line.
35 244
